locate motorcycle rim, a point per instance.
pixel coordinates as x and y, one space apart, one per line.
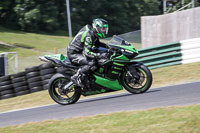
140 85
70 96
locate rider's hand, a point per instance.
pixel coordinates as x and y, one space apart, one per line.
102 55
111 50
95 49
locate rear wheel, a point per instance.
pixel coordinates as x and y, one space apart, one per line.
140 84
57 93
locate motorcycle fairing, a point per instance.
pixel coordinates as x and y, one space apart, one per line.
112 84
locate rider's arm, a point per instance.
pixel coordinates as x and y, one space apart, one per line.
88 44
101 44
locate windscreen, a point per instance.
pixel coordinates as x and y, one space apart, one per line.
116 40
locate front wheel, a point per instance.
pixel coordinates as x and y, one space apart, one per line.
58 94
140 84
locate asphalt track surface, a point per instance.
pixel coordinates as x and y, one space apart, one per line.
185 94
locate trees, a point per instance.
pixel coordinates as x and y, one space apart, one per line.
37 15
122 15
7 15
43 15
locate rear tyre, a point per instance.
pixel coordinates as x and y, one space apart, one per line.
140 85
56 85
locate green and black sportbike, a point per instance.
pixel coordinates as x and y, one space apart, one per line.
116 72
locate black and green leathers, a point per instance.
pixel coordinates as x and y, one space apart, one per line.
84 43
82 49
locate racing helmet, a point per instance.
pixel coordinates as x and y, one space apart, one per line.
100 27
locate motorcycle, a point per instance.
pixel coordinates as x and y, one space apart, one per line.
117 71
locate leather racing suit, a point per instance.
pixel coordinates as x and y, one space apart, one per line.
81 50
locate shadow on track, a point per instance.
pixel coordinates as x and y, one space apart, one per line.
113 96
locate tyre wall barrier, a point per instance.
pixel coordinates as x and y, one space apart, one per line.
33 79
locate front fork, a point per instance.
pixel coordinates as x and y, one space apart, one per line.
132 72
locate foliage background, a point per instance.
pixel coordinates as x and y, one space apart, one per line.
50 16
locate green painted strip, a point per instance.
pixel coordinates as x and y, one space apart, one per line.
163 46
165 65
159 57
163 61
177 48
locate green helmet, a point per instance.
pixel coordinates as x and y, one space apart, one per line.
100 27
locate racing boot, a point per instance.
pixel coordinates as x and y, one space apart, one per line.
77 80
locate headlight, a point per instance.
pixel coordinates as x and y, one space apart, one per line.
129 51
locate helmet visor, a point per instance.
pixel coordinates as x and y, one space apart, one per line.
103 29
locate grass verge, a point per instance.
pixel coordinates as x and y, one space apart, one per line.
38 42
160 120
30 45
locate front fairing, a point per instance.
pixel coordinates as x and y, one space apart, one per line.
127 50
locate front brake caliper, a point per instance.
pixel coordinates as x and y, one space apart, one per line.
132 71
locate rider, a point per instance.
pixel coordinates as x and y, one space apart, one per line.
82 49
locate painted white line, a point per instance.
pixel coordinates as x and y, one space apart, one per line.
15 110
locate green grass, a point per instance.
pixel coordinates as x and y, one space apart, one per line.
38 42
161 120
31 45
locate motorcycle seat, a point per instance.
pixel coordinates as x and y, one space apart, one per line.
61 60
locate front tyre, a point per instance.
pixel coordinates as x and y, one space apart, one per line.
140 84
57 93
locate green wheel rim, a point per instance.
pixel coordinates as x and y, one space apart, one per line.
56 89
138 85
